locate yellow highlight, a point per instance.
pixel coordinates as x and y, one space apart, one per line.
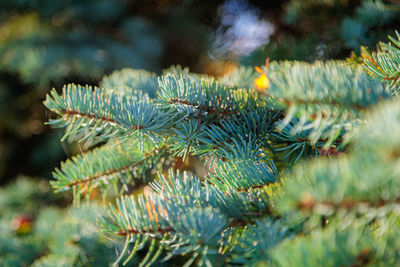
262 82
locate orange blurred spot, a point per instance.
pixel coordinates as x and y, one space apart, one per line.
259 70
22 224
153 209
149 211
262 81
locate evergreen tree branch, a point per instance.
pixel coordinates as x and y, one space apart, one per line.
106 165
131 82
384 64
326 98
91 113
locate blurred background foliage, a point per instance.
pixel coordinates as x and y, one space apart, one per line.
29 235
324 29
46 43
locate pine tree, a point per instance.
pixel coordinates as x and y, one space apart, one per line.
301 165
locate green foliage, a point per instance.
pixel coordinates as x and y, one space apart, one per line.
36 232
384 64
354 196
326 97
92 115
49 43
303 171
106 166
74 240
129 81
